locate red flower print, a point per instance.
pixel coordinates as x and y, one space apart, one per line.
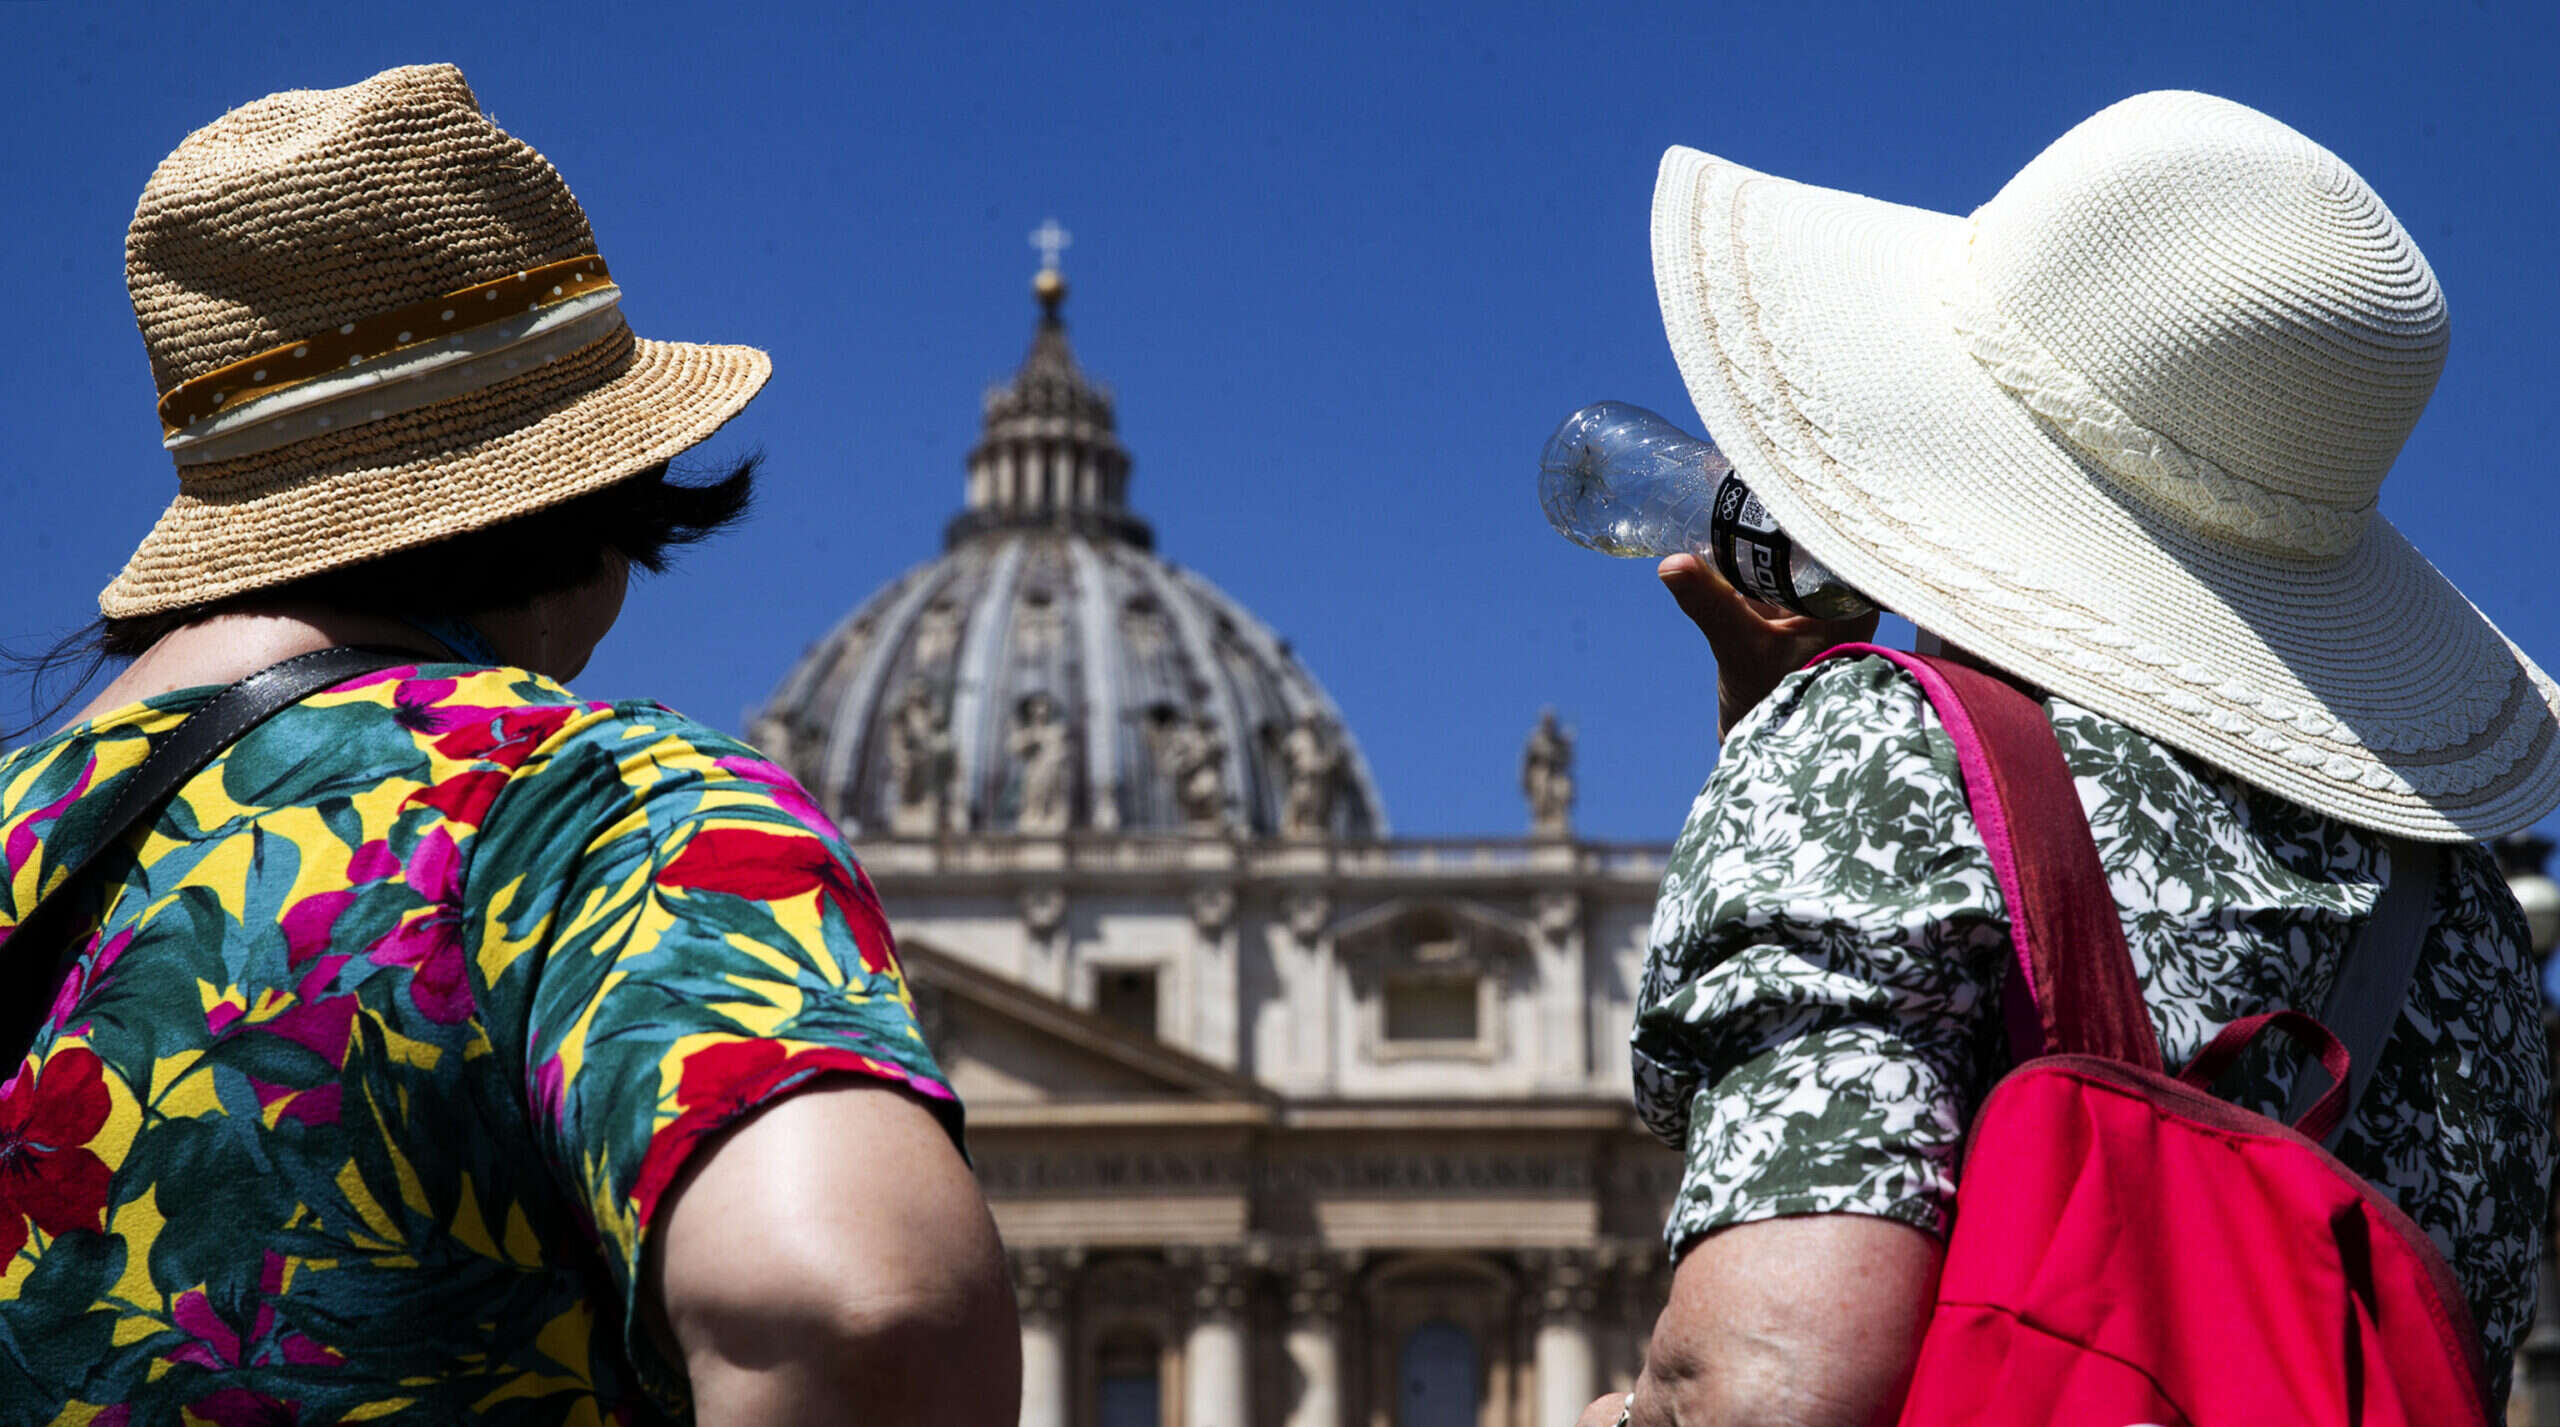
726 1067
464 796
500 735
725 1079
775 867
47 1172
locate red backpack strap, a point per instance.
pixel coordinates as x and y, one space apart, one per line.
2062 914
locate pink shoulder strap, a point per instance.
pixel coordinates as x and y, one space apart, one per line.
2062 915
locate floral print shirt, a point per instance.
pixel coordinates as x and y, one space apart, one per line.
1820 1009
394 1030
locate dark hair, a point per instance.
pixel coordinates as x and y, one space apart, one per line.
645 519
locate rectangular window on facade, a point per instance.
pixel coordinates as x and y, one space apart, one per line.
1126 997
1431 1008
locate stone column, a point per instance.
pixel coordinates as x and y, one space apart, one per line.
1563 1025
1568 1368
1301 1028
1209 1022
1040 1279
1216 1385
1316 1281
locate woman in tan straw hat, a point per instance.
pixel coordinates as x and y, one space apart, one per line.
2119 434
447 1047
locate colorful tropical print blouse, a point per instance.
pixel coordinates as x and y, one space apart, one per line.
1820 1009
396 1029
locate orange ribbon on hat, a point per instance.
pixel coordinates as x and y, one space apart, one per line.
288 365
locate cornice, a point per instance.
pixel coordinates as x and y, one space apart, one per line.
1125 862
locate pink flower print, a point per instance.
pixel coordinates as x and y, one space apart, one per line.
215 1345
431 947
788 795
414 706
30 831
434 869
219 1346
324 1027
219 1016
316 1106
429 943
550 1083
380 676
309 923
371 863
88 975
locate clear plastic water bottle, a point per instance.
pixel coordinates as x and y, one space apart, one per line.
1618 479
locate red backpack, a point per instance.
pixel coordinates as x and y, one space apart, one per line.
2129 1250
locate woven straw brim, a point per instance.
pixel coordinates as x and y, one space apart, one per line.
1809 328
597 416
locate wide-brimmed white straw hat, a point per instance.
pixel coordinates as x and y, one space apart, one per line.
2121 432
376 319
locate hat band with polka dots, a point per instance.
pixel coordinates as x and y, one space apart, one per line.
226 389
412 378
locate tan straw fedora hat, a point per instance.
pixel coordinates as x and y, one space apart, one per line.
376 320
2121 432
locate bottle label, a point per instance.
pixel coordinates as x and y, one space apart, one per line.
1751 552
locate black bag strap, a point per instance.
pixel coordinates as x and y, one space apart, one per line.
40 949
2364 1003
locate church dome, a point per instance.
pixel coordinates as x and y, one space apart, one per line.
1050 674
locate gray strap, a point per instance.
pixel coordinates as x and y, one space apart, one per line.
2373 985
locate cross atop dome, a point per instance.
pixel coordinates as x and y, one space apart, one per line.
1051 240
1050 285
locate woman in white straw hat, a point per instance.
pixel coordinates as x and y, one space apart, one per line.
448 1047
2118 434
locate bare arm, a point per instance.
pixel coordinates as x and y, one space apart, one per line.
1805 1322
830 1260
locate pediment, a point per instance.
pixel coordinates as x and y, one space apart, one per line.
1433 936
1003 1043
1388 918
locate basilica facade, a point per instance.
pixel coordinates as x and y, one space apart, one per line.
1286 1121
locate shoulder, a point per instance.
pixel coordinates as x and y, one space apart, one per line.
1859 719
1843 767
1850 696
531 726
542 762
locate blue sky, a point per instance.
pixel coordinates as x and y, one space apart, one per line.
1344 266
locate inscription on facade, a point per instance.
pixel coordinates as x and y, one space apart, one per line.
1029 1175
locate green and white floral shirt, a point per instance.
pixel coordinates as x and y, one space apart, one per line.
1820 1009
